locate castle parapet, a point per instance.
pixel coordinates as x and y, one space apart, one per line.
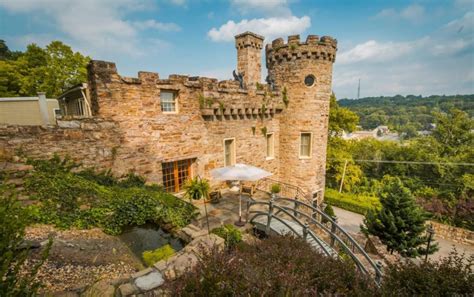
323 48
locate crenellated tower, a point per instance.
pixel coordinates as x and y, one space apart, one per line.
249 56
303 73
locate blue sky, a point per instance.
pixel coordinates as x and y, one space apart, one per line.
394 47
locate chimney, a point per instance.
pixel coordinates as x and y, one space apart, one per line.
249 56
43 108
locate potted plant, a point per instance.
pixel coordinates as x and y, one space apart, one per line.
197 188
275 189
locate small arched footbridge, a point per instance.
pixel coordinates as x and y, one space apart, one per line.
291 216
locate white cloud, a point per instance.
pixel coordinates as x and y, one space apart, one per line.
413 13
269 7
152 24
439 63
268 27
373 51
100 27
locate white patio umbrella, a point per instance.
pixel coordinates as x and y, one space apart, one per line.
239 172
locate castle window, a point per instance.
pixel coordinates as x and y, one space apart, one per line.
176 174
270 146
305 145
309 80
168 101
229 152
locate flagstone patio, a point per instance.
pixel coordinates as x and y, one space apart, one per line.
226 211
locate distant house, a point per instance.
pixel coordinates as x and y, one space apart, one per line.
381 133
29 110
75 102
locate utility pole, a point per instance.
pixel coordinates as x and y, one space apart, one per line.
343 175
358 90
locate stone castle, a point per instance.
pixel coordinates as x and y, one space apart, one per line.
171 129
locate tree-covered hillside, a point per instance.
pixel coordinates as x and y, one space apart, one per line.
406 113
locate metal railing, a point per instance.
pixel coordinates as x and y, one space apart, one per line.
286 189
339 239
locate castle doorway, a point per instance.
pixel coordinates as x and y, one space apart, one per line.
176 174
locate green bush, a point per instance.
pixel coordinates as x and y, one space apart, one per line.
162 253
13 220
97 199
330 212
275 189
352 202
231 235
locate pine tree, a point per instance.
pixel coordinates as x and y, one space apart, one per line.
400 223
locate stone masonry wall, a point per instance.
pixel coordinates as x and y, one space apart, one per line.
92 142
208 112
308 106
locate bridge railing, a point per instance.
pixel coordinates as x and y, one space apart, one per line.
286 189
337 234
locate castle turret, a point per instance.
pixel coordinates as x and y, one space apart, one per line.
249 56
303 73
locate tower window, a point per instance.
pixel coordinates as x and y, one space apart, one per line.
229 152
270 146
168 101
305 145
309 80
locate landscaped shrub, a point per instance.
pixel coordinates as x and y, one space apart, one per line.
13 257
275 189
352 202
162 253
329 211
288 266
277 266
89 199
231 235
450 276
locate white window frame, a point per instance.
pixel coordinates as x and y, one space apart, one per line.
272 137
54 113
175 97
233 156
310 145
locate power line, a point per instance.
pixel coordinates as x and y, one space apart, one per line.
408 162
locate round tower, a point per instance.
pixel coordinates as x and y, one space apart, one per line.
303 73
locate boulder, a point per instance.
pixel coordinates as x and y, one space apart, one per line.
149 281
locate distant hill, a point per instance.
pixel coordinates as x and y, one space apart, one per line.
405 112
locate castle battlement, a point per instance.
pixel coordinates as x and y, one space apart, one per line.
323 48
249 39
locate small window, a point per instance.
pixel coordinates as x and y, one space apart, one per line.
168 101
305 145
309 80
270 146
229 152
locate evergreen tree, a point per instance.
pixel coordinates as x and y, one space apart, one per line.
400 223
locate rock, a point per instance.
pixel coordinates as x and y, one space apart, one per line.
101 288
66 294
142 272
150 281
127 289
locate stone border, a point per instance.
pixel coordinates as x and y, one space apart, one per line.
455 234
151 278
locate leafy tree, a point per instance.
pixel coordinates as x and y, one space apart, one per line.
13 255
340 118
454 131
52 70
6 53
400 223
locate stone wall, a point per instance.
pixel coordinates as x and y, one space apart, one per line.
455 234
93 142
208 112
289 64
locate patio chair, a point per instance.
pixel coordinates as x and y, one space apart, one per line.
248 189
215 196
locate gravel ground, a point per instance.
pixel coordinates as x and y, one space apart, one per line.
80 257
